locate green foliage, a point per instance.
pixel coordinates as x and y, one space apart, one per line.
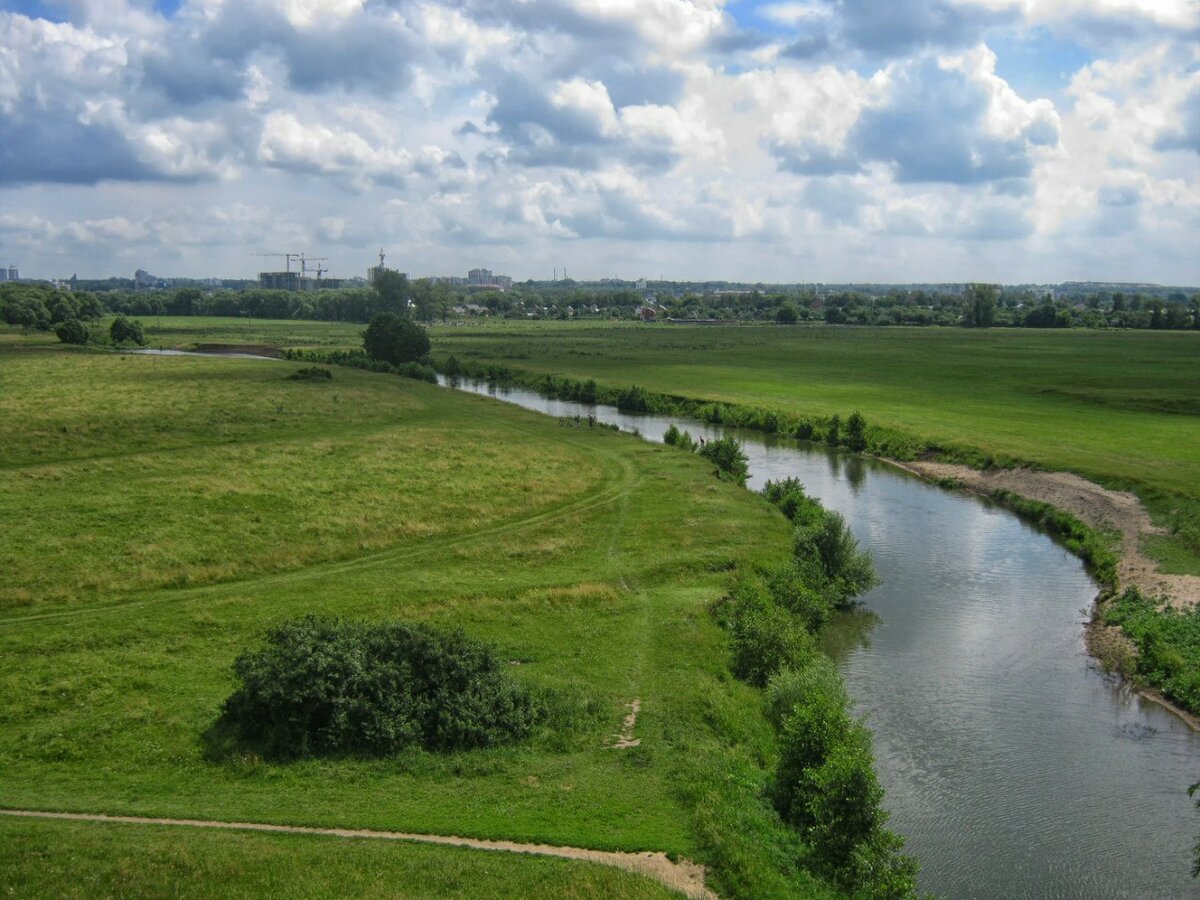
825 783
979 305
72 331
833 433
356 359
331 686
673 437
787 315
395 339
633 399
823 544
856 432
311 373
728 456
1168 644
765 636
123 331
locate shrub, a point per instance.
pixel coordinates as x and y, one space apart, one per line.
330 686
311 373
848 568
1168 643
856 432
72 331
728 456
833 434
672 435
123 331
633 399
804 430
766 638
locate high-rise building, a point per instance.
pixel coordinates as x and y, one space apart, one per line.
10 274
479 276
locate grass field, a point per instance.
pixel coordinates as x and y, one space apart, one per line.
1121 408
160 512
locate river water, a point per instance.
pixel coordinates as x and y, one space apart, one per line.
1013 766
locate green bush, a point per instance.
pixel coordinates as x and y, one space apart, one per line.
856 433
633 399
833 434
324 686
1168 644
72 331
766 637
825 783
728 456
123 331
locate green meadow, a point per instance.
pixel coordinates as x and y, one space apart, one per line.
1119 407
160 513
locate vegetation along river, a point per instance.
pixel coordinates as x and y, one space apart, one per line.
1013 766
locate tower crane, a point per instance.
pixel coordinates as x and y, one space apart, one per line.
287 256
304 261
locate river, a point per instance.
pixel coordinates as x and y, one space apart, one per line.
1013 766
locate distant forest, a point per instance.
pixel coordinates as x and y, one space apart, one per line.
36 305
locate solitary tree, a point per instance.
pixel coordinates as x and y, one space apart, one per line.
786 314
395 339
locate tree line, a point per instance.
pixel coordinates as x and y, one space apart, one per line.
38 306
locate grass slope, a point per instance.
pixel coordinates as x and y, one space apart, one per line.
166 510
85 860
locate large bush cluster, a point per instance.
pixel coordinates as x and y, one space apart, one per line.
323 686
824 784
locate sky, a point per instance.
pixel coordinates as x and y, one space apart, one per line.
753 140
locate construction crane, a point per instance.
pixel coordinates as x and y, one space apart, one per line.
304 261
320 272
287 256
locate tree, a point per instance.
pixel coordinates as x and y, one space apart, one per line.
72 331
856 432
393 290
979 305
728 456
395 339
124 331
833 436
786 315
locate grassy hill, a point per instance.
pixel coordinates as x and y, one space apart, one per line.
160 512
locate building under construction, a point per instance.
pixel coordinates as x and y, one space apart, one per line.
288 280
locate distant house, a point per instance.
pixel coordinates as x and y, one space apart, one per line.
647 313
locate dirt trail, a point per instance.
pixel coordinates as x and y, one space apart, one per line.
625 739
1098 507
683 876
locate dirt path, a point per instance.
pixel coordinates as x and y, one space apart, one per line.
683 876
1096 506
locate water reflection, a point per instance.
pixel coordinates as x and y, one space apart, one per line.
848 631
1012 767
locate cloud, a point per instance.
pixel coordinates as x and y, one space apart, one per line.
610 130
953 120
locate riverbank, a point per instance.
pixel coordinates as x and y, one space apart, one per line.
1103 510
1098 507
